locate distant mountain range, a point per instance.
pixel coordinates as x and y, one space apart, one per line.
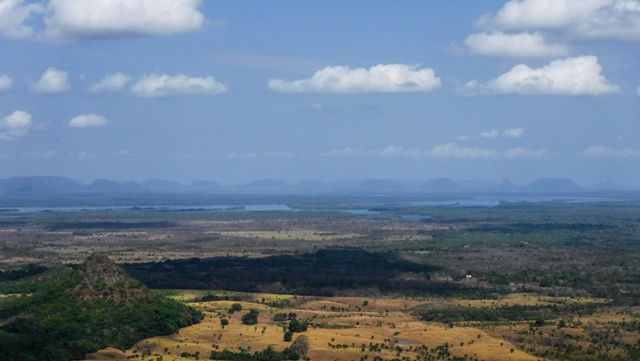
51 184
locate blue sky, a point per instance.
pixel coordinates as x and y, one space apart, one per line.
235 91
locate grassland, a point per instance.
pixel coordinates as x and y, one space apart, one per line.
355 328
342 329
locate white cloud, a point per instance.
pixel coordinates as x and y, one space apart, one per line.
52 81
452 150
571 76
15 125
545 13
613 19
114 18
513 45
158 85
603 151
110 83
394 151
489 134
507 133
88 121
13 16
524 153
5 83
383 78
513 133
345 152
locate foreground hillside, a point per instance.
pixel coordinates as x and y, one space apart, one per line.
67 313
399 328
330 328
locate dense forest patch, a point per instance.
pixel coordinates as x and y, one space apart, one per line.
325 272
76 312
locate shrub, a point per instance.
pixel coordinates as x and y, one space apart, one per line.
298 326
235 307
251 317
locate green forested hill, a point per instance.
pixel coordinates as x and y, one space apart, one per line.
66 313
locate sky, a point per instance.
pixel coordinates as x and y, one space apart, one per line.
234 91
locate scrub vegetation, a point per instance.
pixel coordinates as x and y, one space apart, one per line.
518 281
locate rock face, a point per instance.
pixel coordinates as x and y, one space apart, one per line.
100 278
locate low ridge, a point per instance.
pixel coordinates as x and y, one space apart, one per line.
101 278
66 313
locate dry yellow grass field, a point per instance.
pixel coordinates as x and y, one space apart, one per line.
343 329
524 299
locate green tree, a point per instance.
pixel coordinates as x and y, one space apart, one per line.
298 326
235 307
251 317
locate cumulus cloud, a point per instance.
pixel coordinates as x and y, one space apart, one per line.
110 83
115 18
570 76
613 19
513 133
383 78
524 153
75 19
489 134
507 133
15 125
513 45
88 121
159 85
14 14
5 83
52 81
603 151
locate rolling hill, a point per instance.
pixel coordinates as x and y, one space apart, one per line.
66 313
